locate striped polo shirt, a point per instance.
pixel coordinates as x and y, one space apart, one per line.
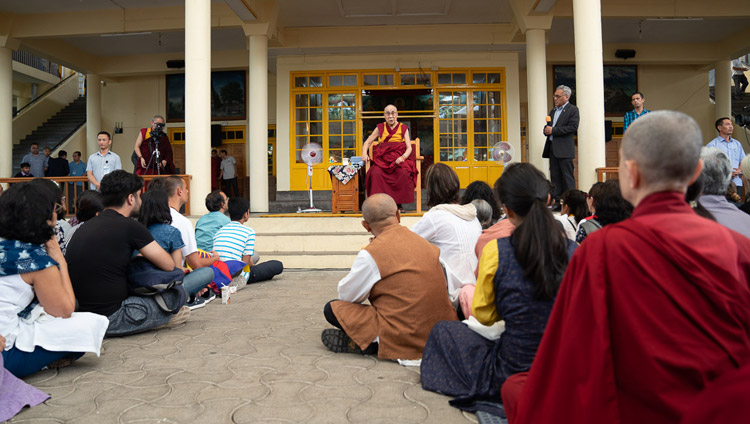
233 241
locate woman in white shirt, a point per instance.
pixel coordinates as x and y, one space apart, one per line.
452 227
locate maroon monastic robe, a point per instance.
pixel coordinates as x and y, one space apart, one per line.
384 175
147 149
650 311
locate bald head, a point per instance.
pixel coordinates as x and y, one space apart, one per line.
666 146
379 210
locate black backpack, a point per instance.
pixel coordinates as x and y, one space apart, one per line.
145 279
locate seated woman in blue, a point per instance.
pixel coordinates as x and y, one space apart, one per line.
154 214
32 265
517 282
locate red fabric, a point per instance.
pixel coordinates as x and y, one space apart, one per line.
165 150
726 400
649 312
511 391
215 165
385 176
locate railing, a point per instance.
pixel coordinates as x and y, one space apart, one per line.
30 59
606 173
43 95
70 193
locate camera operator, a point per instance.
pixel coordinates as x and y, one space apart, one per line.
154 150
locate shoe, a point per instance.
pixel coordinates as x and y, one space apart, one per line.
179 318
208 296
337 341
195 302
239 281
60 363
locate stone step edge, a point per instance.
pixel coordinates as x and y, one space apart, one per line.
303 234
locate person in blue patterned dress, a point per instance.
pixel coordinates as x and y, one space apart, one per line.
517 282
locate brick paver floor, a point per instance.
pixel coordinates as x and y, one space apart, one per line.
258 359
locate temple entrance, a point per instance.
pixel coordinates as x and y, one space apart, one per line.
415 109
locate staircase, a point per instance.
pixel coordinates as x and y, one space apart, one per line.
53 132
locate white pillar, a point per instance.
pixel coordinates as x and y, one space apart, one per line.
257 143
6 112
198 102
587 22
723 93
536 83
94 114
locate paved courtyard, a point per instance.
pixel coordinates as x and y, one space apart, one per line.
258 359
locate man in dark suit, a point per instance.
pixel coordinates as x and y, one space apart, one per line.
58 167
562 126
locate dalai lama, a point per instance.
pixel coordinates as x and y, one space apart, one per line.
393 170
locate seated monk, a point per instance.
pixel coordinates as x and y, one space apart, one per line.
399 272
652 309
393 170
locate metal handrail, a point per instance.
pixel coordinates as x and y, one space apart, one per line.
43 95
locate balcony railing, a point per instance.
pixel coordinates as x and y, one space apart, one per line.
30 59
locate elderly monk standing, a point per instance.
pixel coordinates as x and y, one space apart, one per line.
651 310
393 170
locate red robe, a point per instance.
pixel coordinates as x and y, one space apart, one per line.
650 311
165 152
385 176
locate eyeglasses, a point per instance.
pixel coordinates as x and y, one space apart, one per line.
390 113
58 207
557 96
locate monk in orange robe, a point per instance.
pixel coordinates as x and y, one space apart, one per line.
651 310
393 170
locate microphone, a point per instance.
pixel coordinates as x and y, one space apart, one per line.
549 120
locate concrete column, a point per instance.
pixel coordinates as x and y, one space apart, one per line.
257 143
536 82
587 22
94 114
6 112
198 101
723 94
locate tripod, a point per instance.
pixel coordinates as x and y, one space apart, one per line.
155 156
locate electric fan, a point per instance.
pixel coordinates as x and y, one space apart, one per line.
311 154
502 153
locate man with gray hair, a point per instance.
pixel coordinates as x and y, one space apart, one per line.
154 150
650 309
717 174
560 148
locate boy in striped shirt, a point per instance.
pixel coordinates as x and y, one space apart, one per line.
236 241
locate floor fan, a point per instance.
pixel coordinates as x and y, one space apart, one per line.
502 153
311 154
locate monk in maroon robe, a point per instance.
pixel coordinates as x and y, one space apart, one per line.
651 310
145 148
393 170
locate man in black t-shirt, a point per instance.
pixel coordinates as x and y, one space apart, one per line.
100 251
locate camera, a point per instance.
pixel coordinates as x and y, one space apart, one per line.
158 130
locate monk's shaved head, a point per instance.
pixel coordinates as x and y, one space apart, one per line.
666 145
379 210
390 108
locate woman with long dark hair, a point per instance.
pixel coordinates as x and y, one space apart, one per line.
481 190
38 334
518 280
573 209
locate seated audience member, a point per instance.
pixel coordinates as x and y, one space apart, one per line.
482 190
717 173
236 241
451 227
650 310
692 194
25 171
155 215
725 400
178 196
518 280
100 253
399 273
62 227
32 266
732 196
573 209
503 228
393 170
607 206
15 394
484 212
88 205
209 224
745 169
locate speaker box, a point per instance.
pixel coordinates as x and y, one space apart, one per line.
175 64
216 135
607 130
